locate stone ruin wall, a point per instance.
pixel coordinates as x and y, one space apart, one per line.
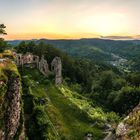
11 105
56 66
28 58
13 110
42 65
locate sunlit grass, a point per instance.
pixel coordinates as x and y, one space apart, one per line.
71 113
7 64
96 113
68 119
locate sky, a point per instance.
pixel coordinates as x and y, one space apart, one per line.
55 19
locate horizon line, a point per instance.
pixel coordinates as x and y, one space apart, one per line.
104 38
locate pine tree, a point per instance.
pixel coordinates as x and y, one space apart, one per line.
2 29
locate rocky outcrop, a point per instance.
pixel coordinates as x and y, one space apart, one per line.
121 130
129 128
13 110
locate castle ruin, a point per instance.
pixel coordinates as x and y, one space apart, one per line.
56 66
42 65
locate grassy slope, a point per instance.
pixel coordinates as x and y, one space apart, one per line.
65 112
75 121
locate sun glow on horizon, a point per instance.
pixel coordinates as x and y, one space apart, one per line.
106 24
70 18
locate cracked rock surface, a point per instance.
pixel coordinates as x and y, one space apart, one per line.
12 113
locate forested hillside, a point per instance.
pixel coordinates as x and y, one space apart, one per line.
123 53
101 50
93 98
103 83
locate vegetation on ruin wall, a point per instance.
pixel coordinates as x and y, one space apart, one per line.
6 67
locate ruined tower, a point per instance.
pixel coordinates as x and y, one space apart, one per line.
56 67
18 59
27 58
43 66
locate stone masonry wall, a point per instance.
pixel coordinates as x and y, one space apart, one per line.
42 65
13 111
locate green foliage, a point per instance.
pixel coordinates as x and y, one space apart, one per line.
22 48
80 48
38 124
106 81
100 50
96 113
76 87
119 83
3 89
134 79
116 93
3 45
64 113
127 99
2 29
8 70
69 120
100 82
133 134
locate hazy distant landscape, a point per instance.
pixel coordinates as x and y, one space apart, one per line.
99 50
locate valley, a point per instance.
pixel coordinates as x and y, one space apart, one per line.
121 63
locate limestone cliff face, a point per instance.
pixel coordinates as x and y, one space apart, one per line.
13 109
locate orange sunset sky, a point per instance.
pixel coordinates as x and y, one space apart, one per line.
55 19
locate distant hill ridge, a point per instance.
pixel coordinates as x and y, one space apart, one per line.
95 48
